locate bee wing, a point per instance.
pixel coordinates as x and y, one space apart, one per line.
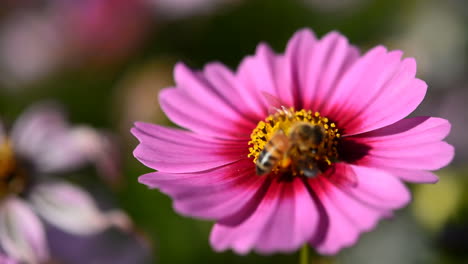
274 103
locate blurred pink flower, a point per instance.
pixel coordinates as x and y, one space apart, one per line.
366 151
102 30
6 260
38 39
39 144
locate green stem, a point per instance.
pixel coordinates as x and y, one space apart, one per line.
304 255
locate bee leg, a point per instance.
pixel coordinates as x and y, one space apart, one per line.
260 171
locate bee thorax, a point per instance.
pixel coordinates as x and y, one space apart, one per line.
299 143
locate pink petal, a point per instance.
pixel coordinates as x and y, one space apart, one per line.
257 74
298 53
378 188
242 92
284 220
340 174
227 193
224 82
22 235
426 157
243 238
347 216
414 176
283 79
439 156
378 90
175 150
409 132
205 109
69 208
411 144
233 99
198 118
320 65
294 222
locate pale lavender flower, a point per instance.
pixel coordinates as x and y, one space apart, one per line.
109 247
41 143
6 260
30 47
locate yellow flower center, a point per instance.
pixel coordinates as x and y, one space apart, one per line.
300 143
12 177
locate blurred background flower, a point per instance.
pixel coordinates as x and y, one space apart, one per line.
435 35
6 260
41 144
38 39
136 95
106 60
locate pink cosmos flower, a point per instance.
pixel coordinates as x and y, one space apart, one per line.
325 194
39 145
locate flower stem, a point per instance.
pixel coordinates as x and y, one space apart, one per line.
304 255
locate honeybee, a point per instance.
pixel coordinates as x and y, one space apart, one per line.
296 148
